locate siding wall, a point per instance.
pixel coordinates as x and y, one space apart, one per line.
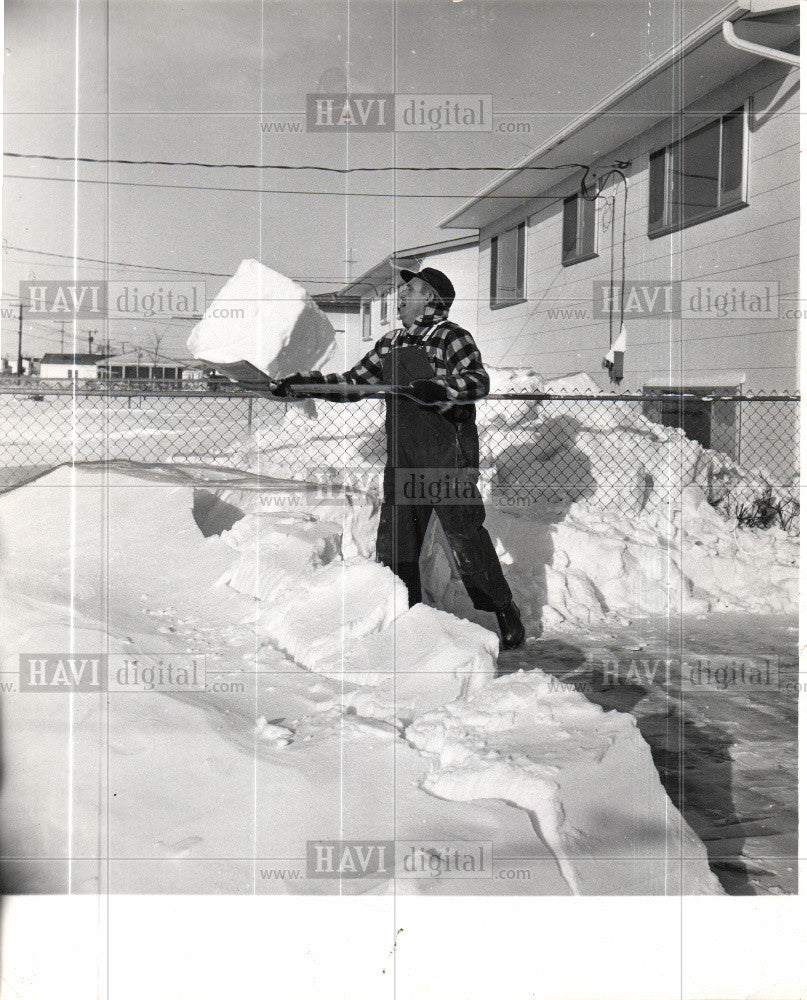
348 350
61 371
555 331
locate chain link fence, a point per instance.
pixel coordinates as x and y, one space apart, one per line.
618 451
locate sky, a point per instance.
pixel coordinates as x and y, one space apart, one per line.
226 82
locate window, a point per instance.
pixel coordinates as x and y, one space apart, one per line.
713 423
579 230
699 177
385 308
507 267
366 332
72 373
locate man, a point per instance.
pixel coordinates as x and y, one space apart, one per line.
432 444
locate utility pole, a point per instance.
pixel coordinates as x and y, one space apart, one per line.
19 344
61 339
90 338
350 260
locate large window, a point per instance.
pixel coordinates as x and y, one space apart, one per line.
366 331
579 229
699 177
507 267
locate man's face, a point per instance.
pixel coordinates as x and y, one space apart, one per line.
413 299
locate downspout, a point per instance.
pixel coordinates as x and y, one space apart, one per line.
764 51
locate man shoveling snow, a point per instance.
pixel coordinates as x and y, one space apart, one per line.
432 444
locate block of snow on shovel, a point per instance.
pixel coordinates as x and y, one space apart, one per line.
267 319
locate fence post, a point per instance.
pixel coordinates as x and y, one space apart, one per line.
249 417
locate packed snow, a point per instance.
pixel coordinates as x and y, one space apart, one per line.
265 318
356 717
586 777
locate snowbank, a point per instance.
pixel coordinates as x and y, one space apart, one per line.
131 568
278 553
423 659
595 510
331 609
265 318
585 776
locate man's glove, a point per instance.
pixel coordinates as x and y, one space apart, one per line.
428 391
284 385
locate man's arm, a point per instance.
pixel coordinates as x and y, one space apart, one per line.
368 371
466 379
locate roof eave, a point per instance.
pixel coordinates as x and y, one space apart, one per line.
730 12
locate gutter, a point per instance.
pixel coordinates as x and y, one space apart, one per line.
686 45
764 51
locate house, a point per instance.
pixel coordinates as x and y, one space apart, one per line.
73 366
693 169
376 289
344 312
145 365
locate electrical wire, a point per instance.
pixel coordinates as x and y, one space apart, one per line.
244 190
600 183
281 166
148 267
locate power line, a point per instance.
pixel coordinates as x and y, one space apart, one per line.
149 267
243 190
280 166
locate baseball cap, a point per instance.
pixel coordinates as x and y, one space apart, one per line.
434 279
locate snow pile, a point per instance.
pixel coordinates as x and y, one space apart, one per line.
131 568
595 510
278 553
423 659
585 777
347 618
332 608
263 317
592 564
515 380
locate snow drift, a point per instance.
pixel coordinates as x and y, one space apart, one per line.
129 569
585 776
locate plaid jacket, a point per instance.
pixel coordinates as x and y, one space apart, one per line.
452 352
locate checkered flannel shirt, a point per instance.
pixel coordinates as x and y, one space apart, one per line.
451 350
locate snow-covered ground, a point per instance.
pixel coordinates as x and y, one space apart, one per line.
37 434
346 735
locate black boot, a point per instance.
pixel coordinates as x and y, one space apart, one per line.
511 626
409 572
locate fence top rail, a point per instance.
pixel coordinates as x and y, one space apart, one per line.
92 388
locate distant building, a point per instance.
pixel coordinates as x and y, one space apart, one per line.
142 366
344 313
74 366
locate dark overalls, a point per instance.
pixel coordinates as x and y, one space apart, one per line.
432 459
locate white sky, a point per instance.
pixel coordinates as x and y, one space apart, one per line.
193 80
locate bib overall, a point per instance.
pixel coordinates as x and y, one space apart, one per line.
433 465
